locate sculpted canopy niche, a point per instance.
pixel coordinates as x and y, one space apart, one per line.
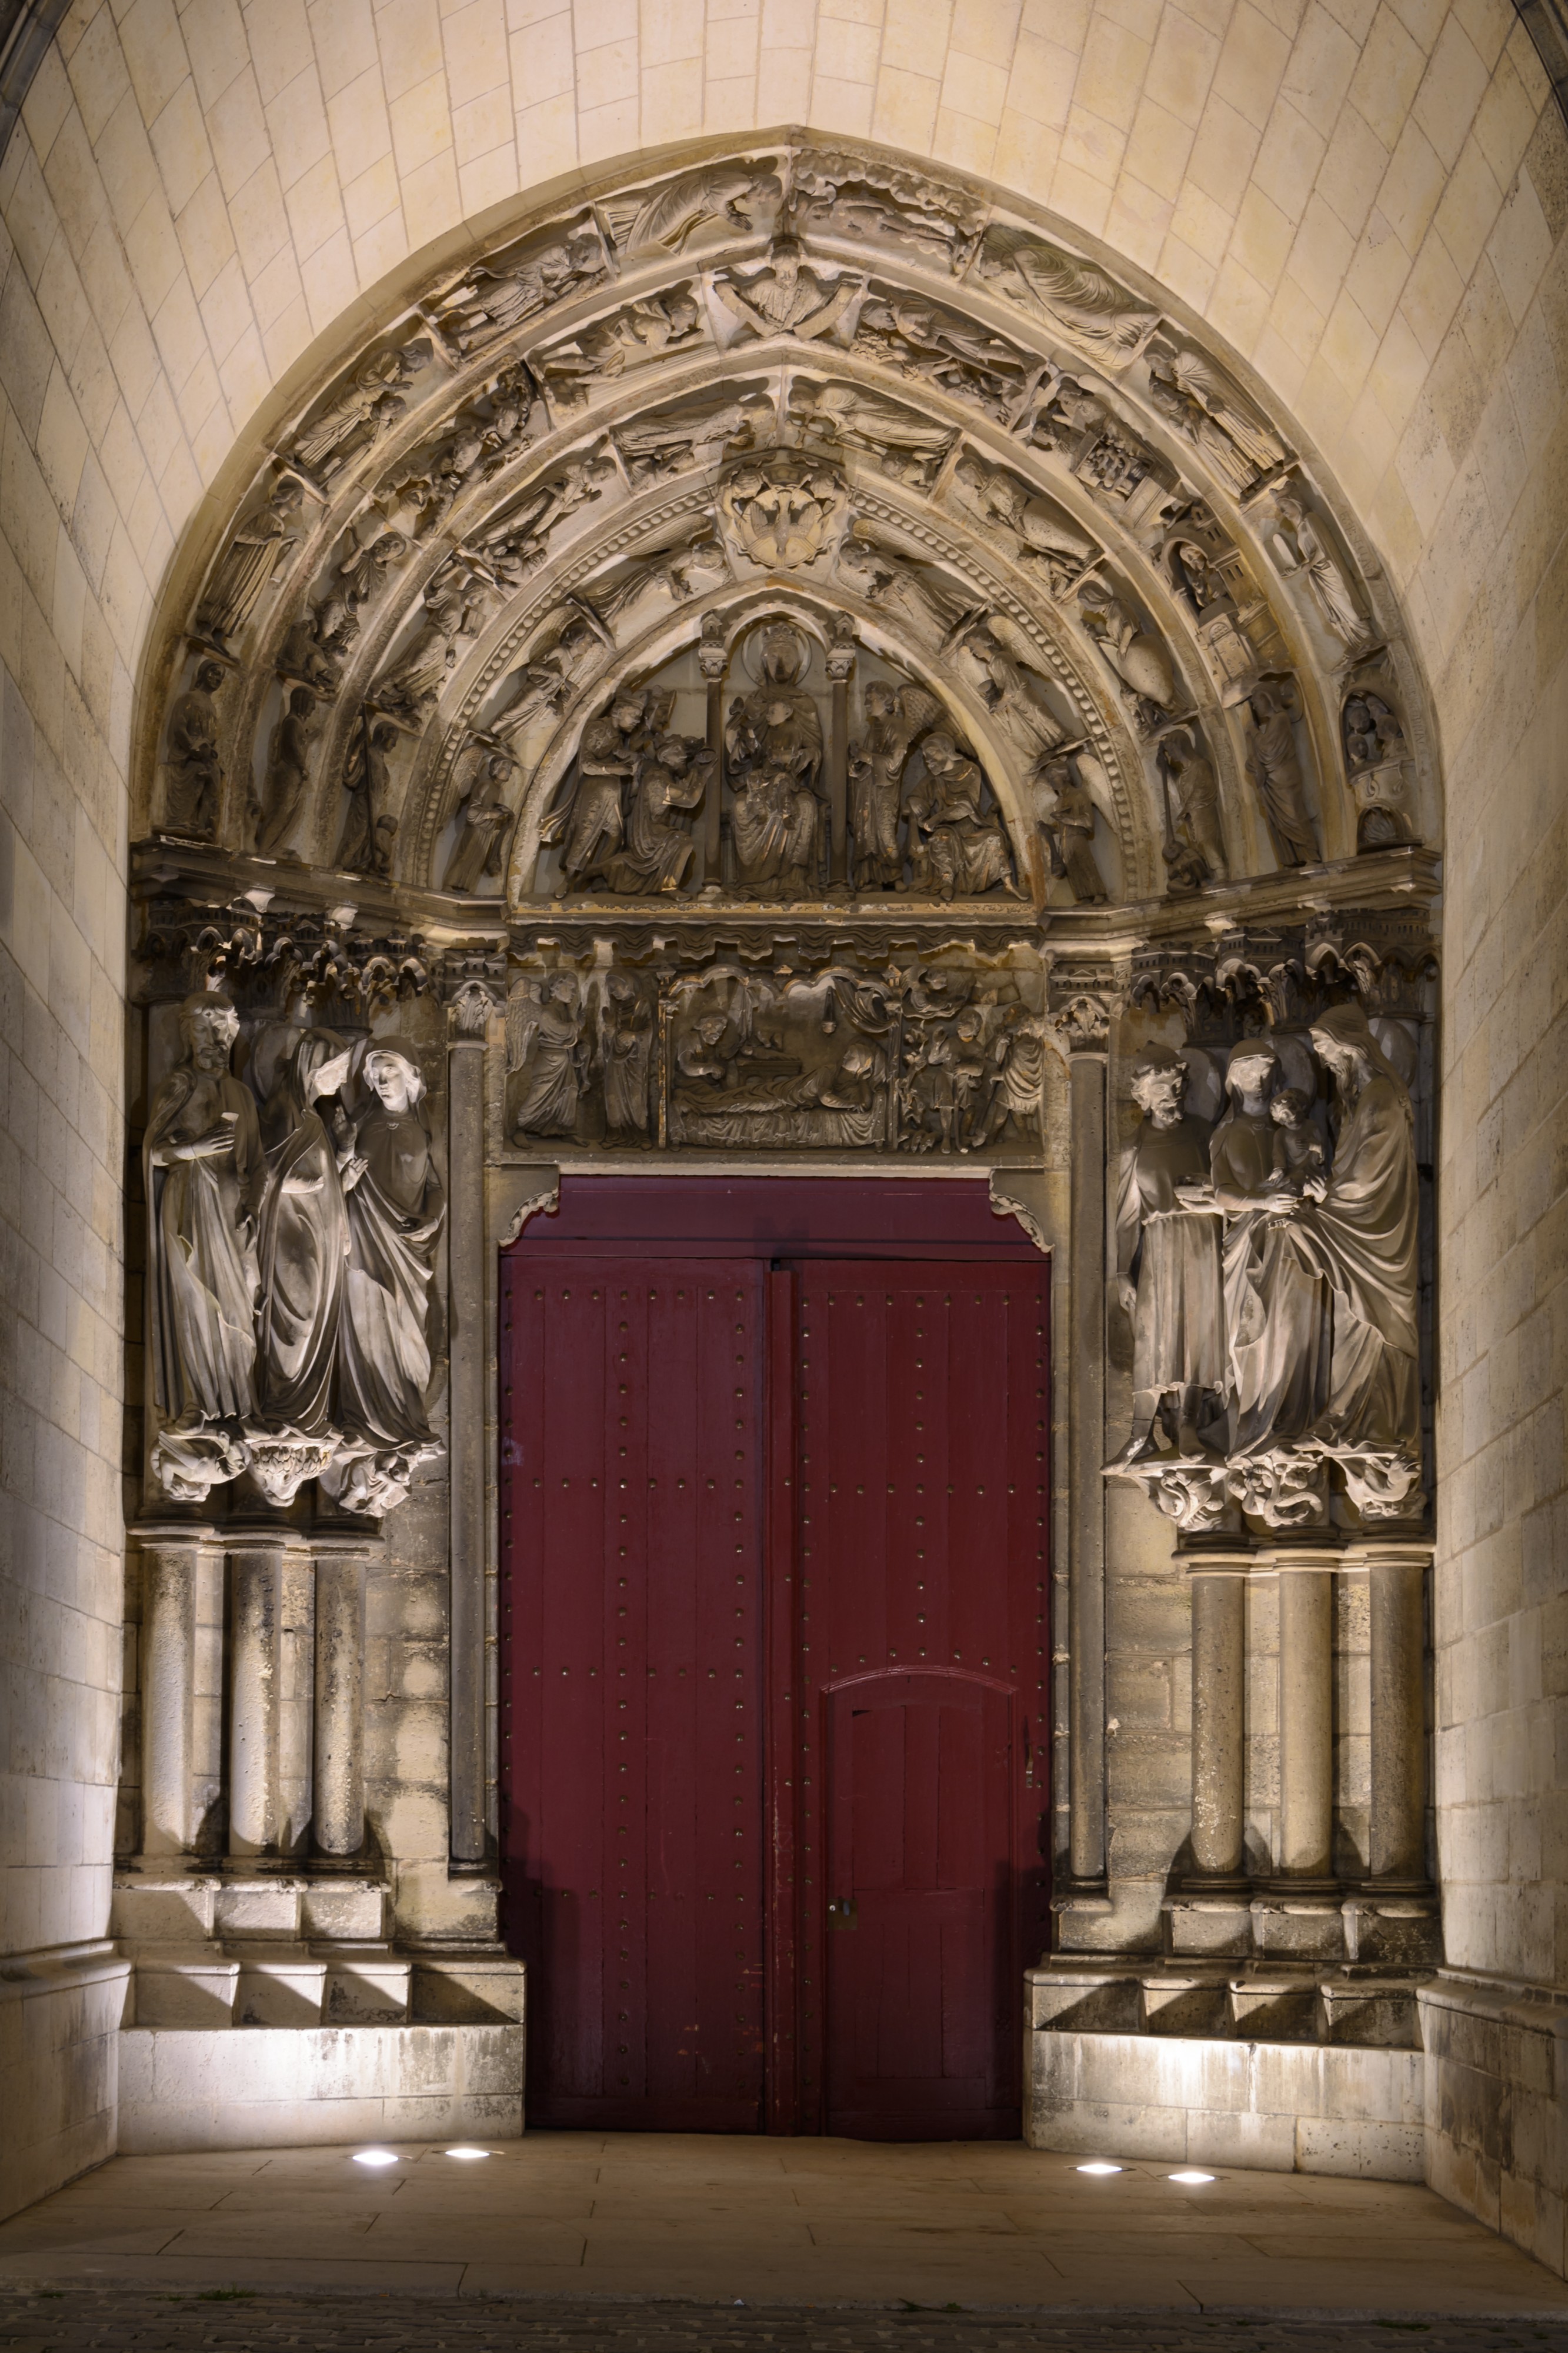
778 633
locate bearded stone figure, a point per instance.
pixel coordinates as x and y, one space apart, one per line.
1168 1269
396 1207
303 1252
203 1170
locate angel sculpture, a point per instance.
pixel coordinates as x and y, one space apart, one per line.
1063 292
372 403
1221 428
884 575
665 445
546 1038
523 540
494 300
541 686
733 194
454 599
480 847
644 330
785 299
1042 531
909 445
1135 654
895 718
1005 656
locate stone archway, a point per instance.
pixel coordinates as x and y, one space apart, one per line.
786 664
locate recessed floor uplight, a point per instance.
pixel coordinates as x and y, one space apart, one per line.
375 2157
1099 2165
1191 2175
468 2154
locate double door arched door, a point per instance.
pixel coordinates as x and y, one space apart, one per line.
775 1654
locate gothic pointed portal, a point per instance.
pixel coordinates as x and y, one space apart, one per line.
793 667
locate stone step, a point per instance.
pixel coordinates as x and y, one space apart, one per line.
279 1983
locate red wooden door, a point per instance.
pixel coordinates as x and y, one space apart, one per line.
631 1764
923 1434
745 1488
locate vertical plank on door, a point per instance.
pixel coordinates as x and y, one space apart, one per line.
632 1816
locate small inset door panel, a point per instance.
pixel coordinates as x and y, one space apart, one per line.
922 1999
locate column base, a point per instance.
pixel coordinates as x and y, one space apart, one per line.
1302 1920
1209 1916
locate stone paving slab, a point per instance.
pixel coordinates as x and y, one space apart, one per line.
117 2320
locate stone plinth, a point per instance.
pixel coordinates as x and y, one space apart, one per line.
1283 2108
182 2090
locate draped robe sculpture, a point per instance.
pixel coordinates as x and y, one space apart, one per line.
396 1207
1276 1309
1357 1226
302 1251
1168 1268
203 1169
1308 1328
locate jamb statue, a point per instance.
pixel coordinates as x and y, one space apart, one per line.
1168 1269
396 1207
203 1170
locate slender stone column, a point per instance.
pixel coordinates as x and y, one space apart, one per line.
466 1393
1219 1674
338 1812
1087 1035
711 661
1306 1715
256 1568
840 668
1396 1596
170 1557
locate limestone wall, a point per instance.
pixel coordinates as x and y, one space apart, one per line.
1369 201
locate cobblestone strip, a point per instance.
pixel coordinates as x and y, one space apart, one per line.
227 2320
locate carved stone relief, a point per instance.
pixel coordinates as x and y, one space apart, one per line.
729 199
824 1057
1269 1255
1199 402
359 414
838 193
516 287
1070 297
919 815
286 1306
